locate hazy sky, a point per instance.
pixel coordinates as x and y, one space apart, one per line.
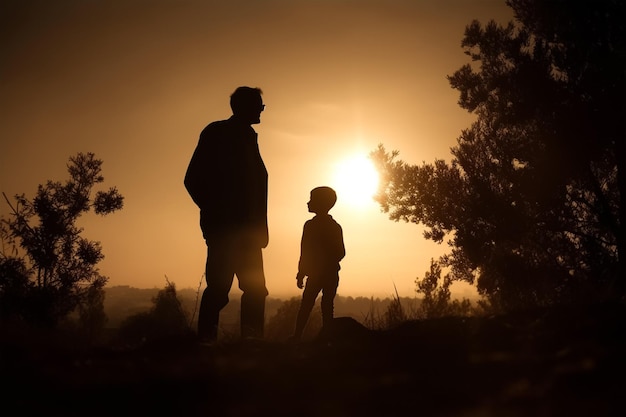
136 81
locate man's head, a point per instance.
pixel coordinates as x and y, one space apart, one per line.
322 200
247 104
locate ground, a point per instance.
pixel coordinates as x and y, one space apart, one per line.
556 362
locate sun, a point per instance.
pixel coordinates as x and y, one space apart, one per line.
356 181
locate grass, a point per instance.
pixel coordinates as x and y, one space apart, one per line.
554 362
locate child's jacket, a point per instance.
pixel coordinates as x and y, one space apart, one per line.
322 247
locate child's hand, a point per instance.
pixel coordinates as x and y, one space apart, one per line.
300 281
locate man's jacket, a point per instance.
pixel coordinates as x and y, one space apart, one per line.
227 180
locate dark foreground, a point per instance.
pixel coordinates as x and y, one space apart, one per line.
566 362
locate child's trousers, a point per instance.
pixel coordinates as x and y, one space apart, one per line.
328 285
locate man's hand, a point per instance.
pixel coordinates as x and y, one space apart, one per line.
300 281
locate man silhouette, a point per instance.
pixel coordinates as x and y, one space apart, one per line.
227 180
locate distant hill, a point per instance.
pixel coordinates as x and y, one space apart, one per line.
123 301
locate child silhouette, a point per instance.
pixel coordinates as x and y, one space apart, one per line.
321 250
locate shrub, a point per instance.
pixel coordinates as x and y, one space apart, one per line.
165 320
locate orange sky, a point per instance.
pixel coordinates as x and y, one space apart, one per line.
136 81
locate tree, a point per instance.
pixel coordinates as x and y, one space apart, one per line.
51 270
534 200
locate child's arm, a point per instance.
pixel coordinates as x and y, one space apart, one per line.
304 261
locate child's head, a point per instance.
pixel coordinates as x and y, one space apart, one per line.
322 200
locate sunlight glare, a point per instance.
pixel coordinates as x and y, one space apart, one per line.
356 181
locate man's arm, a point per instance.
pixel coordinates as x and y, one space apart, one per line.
195 181
204 174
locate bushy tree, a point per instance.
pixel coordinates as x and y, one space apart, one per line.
534 200
51 269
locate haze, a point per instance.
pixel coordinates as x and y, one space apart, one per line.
136 81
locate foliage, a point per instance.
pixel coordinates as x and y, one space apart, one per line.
91 315
391 312
51 269
165 320
14 285
394 314
533 203
437 297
